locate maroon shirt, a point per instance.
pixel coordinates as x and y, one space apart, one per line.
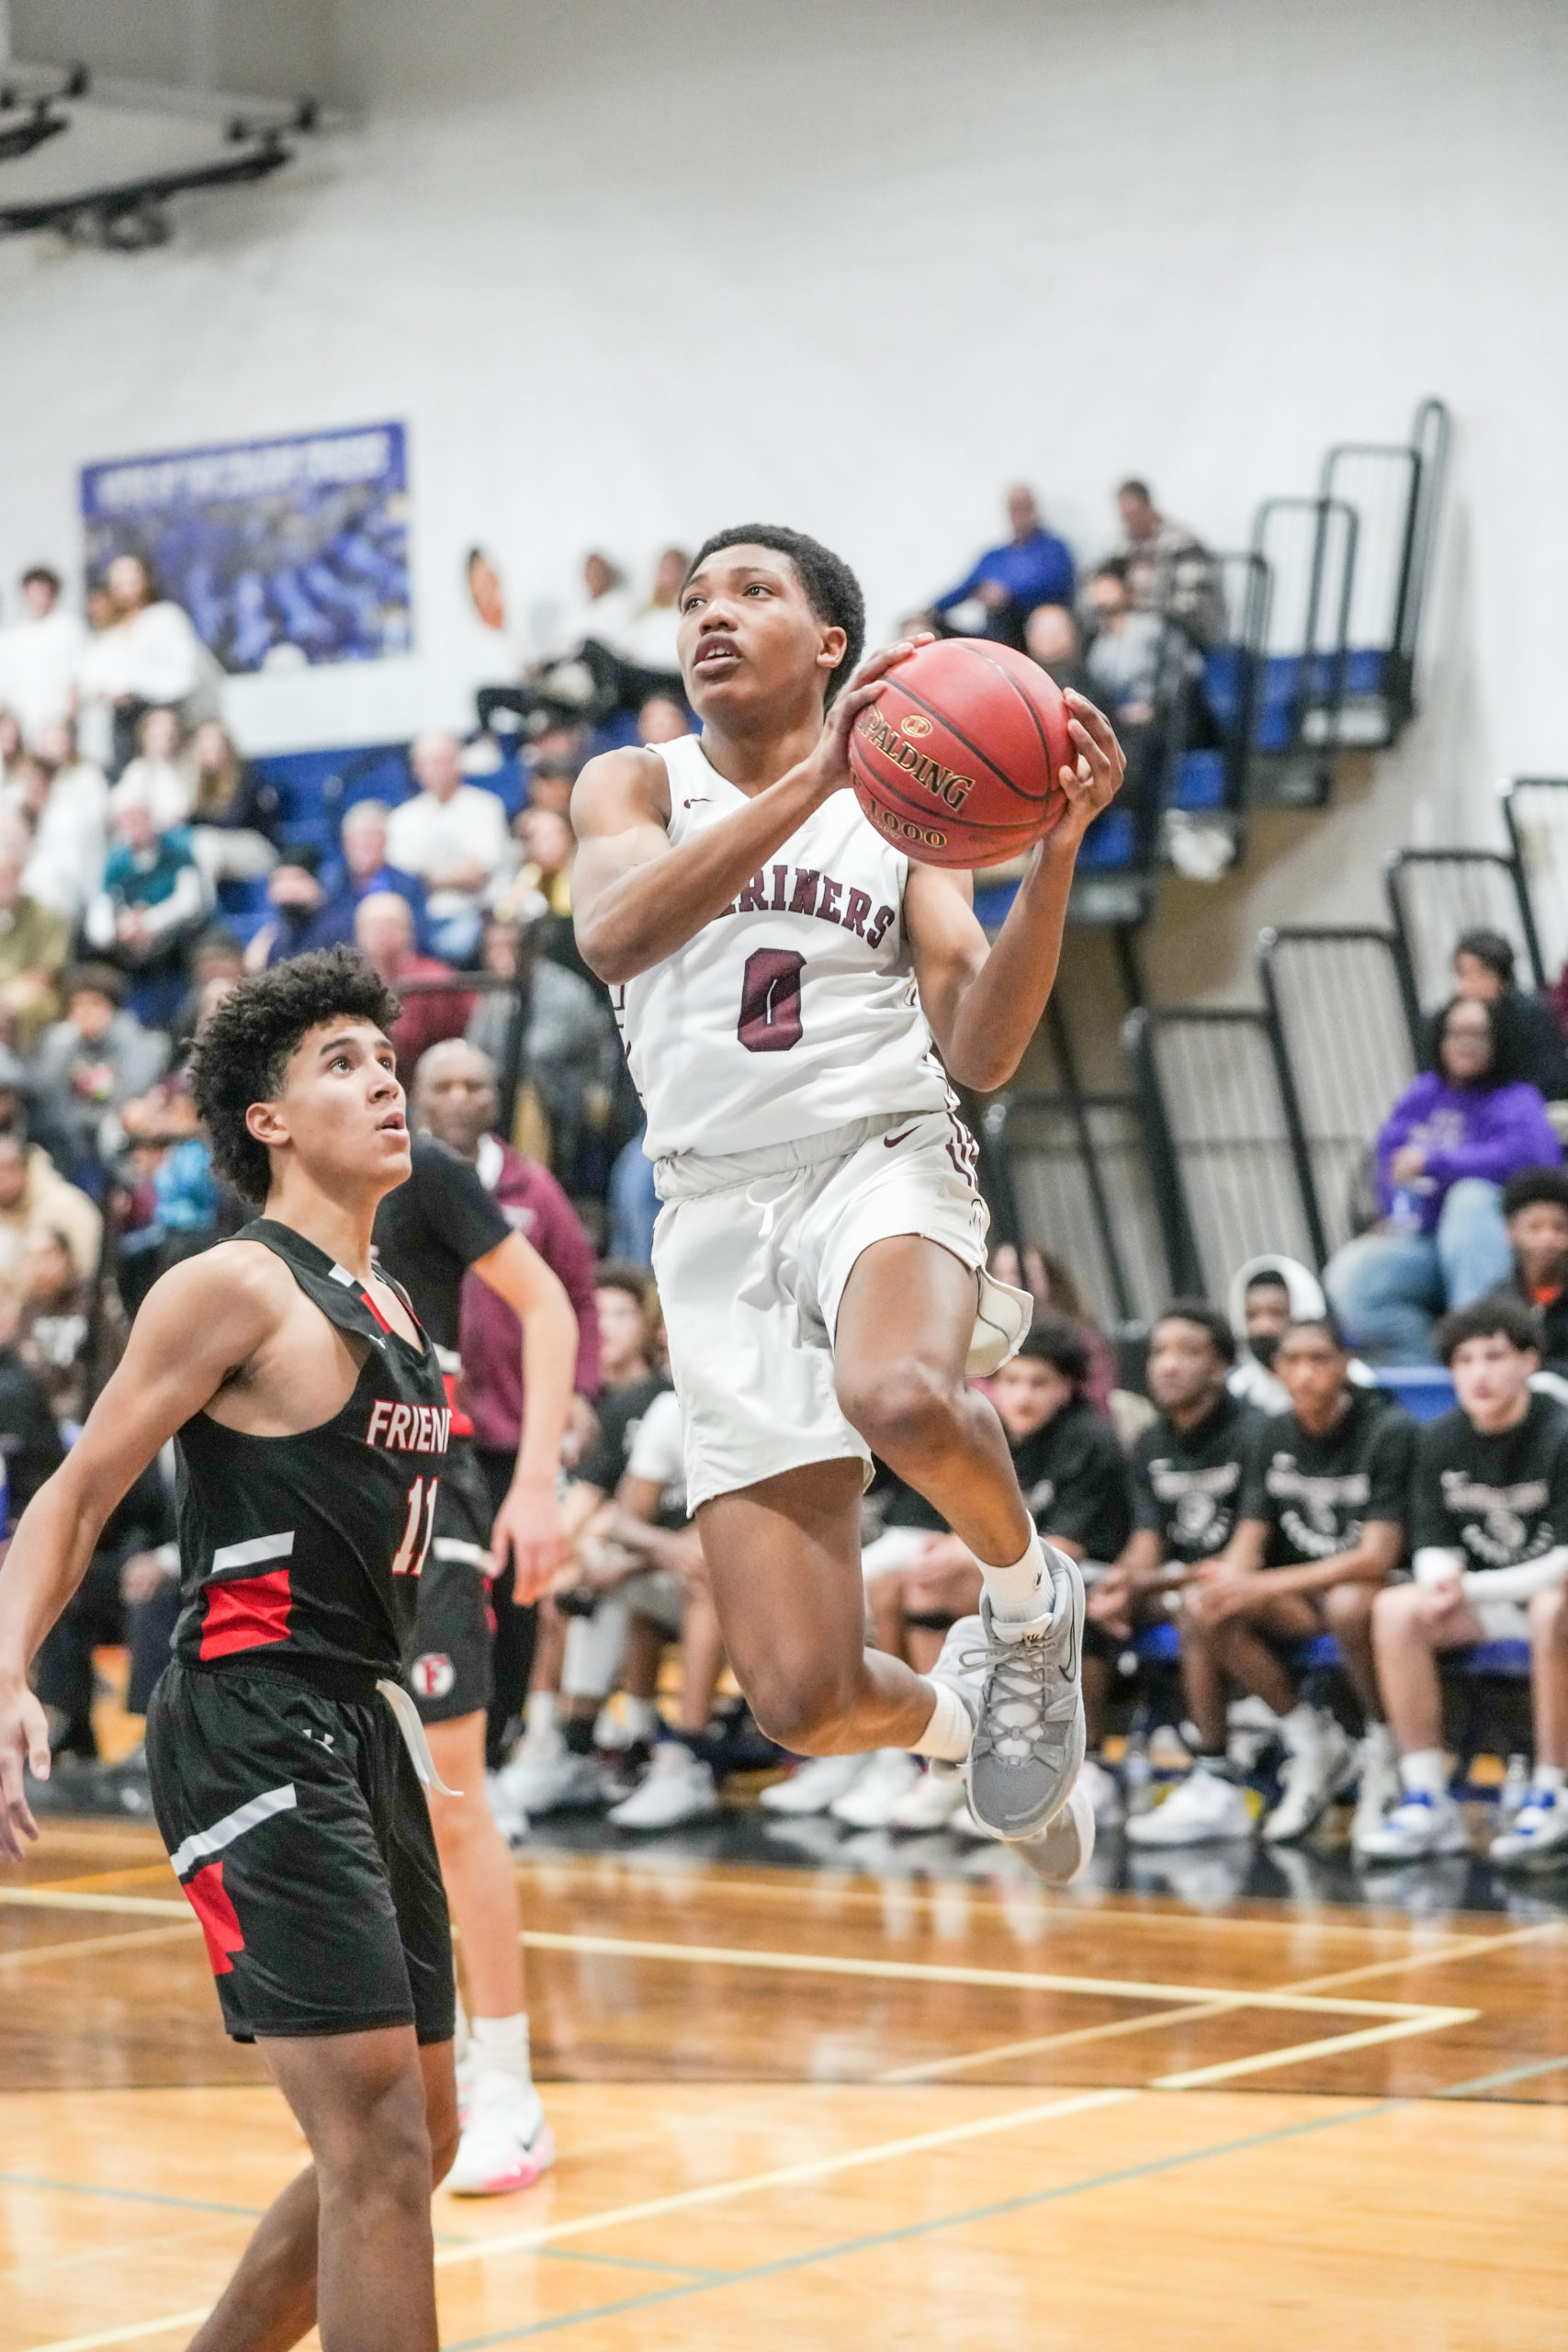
490 1338
427 1021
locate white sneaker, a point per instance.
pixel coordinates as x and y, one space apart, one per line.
1419 1828
1104 1793
507 1814
506 2143
1201 1809
559 1783
890 1776
678 1787
1380 1789
1064 1849
931 1801
1310 1780
813 1786
1539 1837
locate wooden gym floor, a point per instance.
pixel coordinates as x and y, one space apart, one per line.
847 2113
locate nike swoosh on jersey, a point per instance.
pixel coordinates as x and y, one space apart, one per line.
888 1141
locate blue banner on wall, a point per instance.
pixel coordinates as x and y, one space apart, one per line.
282 552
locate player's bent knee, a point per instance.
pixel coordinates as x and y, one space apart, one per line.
808 1718
1346 1605
904 1409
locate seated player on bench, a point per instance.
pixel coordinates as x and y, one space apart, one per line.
1187 1469
1490 1531
1321 1527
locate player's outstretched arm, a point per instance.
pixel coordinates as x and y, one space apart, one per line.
199 1323
984 1003
528 1528
637 897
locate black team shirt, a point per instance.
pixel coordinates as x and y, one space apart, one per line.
1500 1500
1074 1477
1187 1484
1316 1494
430 1231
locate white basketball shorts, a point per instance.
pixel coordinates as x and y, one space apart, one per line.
752 1252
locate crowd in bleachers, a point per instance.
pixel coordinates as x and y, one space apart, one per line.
1257 1513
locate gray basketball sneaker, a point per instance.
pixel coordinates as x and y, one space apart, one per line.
1025 1693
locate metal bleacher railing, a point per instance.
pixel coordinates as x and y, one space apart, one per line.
1340 1026
1535 812
1434 894
1229 1179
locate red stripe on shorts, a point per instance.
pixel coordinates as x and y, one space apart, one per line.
219 1922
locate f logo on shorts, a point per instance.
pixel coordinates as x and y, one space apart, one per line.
433 1675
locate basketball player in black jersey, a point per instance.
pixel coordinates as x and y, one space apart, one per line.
311 1425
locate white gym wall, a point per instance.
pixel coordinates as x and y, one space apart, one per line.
632 268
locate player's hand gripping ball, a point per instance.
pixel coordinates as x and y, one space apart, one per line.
956 760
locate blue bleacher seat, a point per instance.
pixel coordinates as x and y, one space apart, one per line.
1111 841
1511 1659
1424 1390
1200 781
1224 673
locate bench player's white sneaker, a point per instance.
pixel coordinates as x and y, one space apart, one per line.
1538 1838
1201 1810
931 1801
678 1787
890 1777
1418 1829
506 2144
814 1786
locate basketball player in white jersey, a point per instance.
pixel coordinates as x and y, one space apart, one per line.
793 993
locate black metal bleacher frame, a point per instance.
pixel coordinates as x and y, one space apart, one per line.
1424 459
1335 1093
1545 893
1262 1200
1314 732
1425 941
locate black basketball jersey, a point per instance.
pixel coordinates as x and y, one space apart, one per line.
306 1550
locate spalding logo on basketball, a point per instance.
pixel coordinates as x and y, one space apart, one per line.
956 760
433 1675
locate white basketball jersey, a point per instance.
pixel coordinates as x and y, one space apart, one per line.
794 1012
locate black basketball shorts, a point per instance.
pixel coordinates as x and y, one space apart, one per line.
451 1671
298 1827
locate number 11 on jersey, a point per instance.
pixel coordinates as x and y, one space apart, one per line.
422 1506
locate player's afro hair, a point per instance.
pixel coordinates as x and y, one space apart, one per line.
832 589
243 1052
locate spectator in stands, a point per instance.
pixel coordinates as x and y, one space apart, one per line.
1266 1294
1321 1527
157 776
1054 1288
367 869
150 908
217 956
1188 1468
89 1065
663 718
130 1595
1535 1207
571 1054
554 1766
234 811
35 946
549 852
1052 637
1169 569
148 654
997 595
1073 1479
1484 974
383 931
647 643
1445 1152
452 834
65 1334
39 656
71 819
1123 656
305 913
549 785
1490 1535
33 1193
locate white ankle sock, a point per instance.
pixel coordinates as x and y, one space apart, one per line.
1302 1729
1020 1592
461 2037
950 1730
1548 1776
641 1717
1424 1772
501 2045
538 1717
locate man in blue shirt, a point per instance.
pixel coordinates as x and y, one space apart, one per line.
1033 568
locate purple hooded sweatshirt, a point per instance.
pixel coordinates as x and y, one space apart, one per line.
1490 1132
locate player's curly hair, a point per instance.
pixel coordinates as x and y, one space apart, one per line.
242 1053
832 589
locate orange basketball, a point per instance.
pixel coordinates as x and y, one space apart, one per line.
956 760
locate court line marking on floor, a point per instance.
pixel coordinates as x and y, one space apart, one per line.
1482 2083
1466 1948
45 1898
926 1972
1297 2054
543 2240
26 1953
873 2241
84 1882
127 2196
